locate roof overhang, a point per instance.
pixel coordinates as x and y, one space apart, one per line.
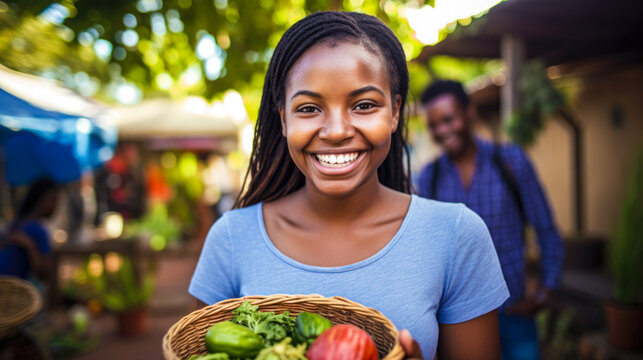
556 31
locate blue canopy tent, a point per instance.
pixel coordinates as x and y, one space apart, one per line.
38 143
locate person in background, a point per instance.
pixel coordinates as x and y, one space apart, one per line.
25 247
499 183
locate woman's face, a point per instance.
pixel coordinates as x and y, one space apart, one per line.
338 116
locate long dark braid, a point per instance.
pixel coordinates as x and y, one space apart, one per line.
272 172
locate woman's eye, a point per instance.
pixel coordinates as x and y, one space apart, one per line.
307 109
364 106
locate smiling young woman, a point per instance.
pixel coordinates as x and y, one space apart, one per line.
328 208
338 118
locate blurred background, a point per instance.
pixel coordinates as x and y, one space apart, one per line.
144 111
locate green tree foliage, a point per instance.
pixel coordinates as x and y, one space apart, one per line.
31 44
154 44
539 100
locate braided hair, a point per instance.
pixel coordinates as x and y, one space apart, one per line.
272 172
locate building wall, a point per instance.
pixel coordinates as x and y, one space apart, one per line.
551 156
609 147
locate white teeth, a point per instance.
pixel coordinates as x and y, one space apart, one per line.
337 160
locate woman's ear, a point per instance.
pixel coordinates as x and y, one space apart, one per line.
282 118
397 103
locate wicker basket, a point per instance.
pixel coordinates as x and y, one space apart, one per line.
19 302
185 338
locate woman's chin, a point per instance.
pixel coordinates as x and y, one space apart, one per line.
335 188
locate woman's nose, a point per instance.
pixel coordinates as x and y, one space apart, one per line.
337 127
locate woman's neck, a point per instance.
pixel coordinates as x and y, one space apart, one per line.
344 208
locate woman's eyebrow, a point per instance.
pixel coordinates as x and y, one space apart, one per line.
366 89
307 93
351 94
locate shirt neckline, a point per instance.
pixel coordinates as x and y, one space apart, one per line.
336 269
481 155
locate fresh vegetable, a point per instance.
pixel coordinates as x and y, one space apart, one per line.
215 356
343 342
233 339
308 326
283 351
270 326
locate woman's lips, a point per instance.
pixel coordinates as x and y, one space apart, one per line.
337 163
337 160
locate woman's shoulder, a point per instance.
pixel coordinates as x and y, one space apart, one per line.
434 214
236 224
243 211
36 230
454 216
240 218
436 208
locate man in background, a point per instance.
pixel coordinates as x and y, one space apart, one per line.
499 183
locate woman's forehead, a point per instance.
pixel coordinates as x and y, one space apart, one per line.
336 58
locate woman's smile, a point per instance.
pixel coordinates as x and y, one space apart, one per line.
337 164
337 160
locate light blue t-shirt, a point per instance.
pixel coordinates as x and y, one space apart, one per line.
440 267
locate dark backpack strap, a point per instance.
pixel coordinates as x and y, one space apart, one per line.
510 180
433 184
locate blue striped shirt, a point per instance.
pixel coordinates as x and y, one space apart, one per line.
490 197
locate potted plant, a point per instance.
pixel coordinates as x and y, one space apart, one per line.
157 227
126 294
624 313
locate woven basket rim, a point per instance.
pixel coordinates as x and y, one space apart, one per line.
32 302
263 300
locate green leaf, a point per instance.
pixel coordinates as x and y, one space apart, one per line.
627 245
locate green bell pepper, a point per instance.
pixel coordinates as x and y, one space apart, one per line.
308 326
234 340
216 356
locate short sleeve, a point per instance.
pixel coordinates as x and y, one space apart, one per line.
38 235
213 278
474 281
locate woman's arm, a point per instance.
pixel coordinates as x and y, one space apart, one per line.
38 262
200 304
476 339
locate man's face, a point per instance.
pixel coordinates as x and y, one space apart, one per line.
448 124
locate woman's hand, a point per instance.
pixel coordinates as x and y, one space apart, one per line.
410 346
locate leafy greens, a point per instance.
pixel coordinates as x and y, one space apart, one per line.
270 326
